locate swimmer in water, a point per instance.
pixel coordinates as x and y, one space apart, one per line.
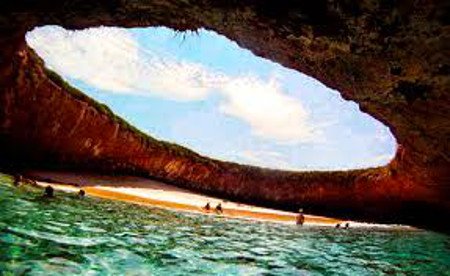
300 219
49 191
219 208
207 207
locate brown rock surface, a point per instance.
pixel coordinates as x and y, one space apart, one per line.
391 57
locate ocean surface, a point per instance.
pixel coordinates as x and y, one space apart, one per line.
68 236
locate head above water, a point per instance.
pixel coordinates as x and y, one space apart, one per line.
49 191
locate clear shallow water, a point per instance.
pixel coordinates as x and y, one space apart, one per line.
67 236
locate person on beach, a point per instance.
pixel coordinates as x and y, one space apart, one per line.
338 226
219 208
207 207
81 193
48 192
300 219
347 225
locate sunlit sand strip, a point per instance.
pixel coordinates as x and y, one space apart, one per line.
128 195
154 193
145 196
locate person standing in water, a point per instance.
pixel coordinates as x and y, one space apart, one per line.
219 208
300 219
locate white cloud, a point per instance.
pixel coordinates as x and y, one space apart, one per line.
269 112
112 60
90 56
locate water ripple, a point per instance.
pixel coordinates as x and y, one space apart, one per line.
98 237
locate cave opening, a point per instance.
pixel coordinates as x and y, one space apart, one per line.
203 91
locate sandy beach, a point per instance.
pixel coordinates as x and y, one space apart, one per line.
144 191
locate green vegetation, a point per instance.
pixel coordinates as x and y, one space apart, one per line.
104 109
180 151
344 177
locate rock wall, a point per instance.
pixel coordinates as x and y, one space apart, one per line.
390 57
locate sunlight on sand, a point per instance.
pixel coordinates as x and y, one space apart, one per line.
150 192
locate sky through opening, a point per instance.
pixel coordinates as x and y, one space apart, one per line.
204 92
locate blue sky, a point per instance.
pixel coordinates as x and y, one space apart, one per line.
203 91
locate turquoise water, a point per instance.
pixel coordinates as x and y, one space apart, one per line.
66 236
